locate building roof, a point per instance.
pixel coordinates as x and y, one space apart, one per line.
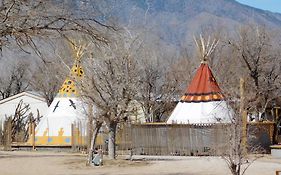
27 93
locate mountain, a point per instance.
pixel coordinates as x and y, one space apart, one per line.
177 20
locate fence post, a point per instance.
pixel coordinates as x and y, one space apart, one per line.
72 137
30 128
8 134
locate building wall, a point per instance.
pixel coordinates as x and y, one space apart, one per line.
8 108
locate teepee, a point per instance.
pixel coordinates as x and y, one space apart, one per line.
56 127
203 101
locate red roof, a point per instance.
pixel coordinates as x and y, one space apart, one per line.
203 87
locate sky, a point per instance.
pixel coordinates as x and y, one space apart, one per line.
271 5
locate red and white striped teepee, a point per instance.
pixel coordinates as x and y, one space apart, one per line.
203 101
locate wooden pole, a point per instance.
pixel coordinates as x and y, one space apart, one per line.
72 137
33 134
30 128
243 115
8 134
276 118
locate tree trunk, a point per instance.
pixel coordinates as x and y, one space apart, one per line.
93 142
111 140
90 127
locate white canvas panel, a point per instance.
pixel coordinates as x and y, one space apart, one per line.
203 112
62 115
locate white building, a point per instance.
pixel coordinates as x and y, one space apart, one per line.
35 101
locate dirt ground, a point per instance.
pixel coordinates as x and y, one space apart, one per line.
63 163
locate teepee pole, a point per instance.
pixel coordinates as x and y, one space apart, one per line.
205 48
79 49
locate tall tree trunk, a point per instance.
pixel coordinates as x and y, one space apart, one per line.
93 142
111 140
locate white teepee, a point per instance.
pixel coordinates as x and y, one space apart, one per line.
203 101
55 128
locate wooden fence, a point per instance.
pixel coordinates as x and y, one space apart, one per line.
163 139
79 136
175 139
168 139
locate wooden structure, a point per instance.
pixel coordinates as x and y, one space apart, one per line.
7 141
163 139
172 139
190 139
260 135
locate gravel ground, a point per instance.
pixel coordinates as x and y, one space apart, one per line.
62 163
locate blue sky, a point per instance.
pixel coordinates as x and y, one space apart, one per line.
271 5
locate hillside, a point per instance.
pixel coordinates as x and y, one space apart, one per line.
176 20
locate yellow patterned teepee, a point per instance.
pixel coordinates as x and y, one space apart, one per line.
55 129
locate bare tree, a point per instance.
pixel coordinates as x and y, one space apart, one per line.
113 94
95 123
160 84
259 60
47 79
24 21
149 88
20 122
14 80
251 55
110 85
236 156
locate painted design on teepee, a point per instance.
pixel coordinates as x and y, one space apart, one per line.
203 87
69 88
